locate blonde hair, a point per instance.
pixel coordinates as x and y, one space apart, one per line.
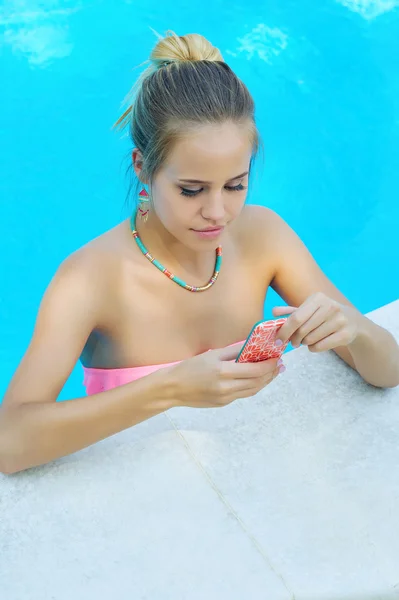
186 84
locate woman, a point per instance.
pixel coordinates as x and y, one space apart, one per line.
194 138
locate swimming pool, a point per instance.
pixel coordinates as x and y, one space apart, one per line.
325 79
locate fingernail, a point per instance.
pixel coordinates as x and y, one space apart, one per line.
279 362
281 369
278 343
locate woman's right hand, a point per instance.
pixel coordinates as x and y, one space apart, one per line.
214 379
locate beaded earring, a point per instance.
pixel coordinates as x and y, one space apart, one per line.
144 205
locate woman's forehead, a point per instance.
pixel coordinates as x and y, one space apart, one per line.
211 150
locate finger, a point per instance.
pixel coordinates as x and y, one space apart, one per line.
257 383
281 311
250 370
243 390
318 334
328 343
311 325
260 383
230 352
297 319
264 381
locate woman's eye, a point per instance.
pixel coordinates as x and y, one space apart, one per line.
230 188
236 188
185 192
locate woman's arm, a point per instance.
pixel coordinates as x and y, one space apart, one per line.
35 433
366 347
34 428
375 354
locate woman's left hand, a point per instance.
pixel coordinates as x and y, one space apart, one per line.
320 323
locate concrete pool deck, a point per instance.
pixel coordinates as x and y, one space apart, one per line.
293 493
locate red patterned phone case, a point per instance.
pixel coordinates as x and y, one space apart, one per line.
260 342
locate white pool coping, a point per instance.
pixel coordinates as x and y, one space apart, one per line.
291 494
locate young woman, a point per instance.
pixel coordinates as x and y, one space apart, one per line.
187 274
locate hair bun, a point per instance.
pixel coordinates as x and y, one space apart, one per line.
186 48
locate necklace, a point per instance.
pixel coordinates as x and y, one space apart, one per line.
183 284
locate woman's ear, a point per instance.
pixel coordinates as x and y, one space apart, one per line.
137 160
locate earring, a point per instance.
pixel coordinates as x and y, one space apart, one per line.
144 204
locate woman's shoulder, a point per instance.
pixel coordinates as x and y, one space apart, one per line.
97 262
260 228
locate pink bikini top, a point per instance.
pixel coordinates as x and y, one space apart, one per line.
102 380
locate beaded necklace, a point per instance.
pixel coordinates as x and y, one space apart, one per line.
183 284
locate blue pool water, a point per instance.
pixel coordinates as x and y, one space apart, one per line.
325 77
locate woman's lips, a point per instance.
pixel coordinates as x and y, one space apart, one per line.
208 234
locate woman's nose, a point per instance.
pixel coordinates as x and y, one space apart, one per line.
213 209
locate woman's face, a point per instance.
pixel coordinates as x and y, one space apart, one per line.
203 184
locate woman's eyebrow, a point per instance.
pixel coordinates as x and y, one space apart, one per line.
200 181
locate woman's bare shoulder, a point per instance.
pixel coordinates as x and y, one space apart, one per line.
99 255
258 226
94 267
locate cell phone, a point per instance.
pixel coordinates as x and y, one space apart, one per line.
260 344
